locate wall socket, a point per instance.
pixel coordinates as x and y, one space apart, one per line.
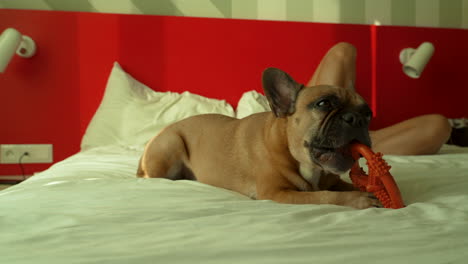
37 153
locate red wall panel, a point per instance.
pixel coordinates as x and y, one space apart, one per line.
221 58
39 96
98 48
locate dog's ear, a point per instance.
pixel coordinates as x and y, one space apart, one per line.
281 91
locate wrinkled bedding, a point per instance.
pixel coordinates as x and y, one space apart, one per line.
90 208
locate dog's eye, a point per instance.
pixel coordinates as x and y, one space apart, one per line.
325 103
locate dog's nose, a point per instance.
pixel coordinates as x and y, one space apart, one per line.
353 119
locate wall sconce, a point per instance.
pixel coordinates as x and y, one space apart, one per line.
414 60
12 41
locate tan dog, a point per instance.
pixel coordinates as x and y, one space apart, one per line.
290 155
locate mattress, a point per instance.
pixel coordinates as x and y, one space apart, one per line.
90 208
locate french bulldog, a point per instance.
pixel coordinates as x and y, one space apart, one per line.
292 154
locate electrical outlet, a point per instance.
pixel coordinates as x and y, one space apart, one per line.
36 153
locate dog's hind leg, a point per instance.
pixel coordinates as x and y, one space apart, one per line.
165 156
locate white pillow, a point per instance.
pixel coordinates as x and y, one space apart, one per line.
252 102
131 113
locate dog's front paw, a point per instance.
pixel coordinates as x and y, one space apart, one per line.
363 200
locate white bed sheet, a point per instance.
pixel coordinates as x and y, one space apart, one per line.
91 208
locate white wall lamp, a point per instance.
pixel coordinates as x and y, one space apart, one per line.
414 60
12 41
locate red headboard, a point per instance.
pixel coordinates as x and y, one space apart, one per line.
52 97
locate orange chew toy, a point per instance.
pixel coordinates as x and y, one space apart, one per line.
379 181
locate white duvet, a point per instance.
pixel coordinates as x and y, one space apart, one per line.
91 208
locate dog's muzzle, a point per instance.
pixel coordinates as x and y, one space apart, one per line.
331 149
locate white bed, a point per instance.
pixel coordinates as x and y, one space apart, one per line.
90 208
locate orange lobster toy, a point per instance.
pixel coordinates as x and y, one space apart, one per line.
379 181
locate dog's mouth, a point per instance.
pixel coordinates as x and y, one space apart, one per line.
334 159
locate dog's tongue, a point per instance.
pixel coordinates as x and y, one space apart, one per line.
339 159
324 156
